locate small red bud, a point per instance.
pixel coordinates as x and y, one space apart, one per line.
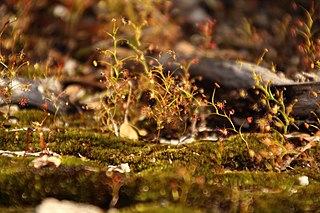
249 120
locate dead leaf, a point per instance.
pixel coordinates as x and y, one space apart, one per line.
127 131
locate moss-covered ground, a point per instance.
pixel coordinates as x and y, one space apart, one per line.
198 177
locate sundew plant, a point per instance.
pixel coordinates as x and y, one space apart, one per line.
138 87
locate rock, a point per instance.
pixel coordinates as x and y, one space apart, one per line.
75 93
34 93
70 67
303 180
234 74
52 205
190 11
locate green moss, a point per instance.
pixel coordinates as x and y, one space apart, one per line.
16 209
17 140
28 186
20 184
156 208
231 154
212 177
26 117
227 192
84 121
77 161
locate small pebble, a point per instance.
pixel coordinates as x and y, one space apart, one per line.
52 205
303 180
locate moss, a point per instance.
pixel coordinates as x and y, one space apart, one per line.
227 191
77 161
212 177
83 121
230 154
284 202
17 140
28 186
23 185
154 207
26 117
17 209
